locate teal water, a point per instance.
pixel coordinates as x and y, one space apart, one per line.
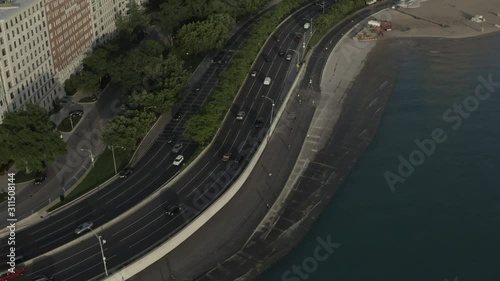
443 221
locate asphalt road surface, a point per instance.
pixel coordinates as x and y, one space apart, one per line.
195 191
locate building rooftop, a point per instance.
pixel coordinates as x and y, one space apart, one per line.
9 8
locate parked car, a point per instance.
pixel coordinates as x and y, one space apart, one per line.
83 227
76 112
178 160
227 156
289 57
172 209
126 172
11 275
39 178
177 147
65 100
241 115
253 73
259 122
281 53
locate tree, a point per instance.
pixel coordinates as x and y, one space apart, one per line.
202 128
126 131
171 16
203 36
28 138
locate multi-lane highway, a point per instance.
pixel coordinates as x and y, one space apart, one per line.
204 182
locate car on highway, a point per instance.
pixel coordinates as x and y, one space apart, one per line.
268 58
40 177
240 115
83 227
172 209
267 81
289 57
177 116
42 278
178 160
259 122
298 37
238 159
126 172
76 112
281 53
11 275
171 138
177 147
307 25
227 156
253 73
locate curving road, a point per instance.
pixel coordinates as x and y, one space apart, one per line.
204 182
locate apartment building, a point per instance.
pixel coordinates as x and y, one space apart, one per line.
44 41
26 62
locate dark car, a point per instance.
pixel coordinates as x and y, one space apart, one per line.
177 147
42 278
39 178
177 116
172 209
298 38
126 172
218 58
281 53
171 138
76 112
238 159
268 58
259 122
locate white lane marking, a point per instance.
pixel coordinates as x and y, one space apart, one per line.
151 233
193 178
121 230
133 233
62 218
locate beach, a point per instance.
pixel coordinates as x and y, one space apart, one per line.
443 18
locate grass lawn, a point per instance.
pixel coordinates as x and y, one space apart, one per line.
65 125
102 171
21 176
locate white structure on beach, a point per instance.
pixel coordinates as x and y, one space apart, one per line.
478 19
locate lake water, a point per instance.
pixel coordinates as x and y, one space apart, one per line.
443 221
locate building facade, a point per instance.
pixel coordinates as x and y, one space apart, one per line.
43 42
27 72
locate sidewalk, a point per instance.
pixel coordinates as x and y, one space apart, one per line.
67 170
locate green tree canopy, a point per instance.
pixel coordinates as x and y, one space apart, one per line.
126 131
28 138
203 36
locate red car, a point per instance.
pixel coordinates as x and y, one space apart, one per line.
8 276
227 156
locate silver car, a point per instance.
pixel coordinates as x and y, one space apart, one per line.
177 147
83 227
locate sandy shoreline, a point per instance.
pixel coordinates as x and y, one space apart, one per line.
454 14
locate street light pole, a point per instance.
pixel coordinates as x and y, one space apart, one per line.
101 241
270 120
113 152
91 156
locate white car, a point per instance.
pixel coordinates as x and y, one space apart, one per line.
267 81
307 25
178 160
